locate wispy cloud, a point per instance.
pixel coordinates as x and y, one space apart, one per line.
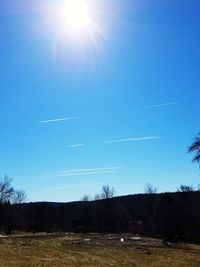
82 172
131 139
60 119
94 169
76 145
73 186
160 105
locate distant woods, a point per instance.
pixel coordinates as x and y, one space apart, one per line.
108 192
167 215
9 194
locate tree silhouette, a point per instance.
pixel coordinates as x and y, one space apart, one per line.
186 188
107 192
97 197
150 189
9 194
195 147
6 190
85 198
18 197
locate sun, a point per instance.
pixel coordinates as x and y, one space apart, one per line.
75 14
72 24
73 17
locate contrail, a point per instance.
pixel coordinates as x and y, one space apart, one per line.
160 105
82 172
75 145
94 169
60 119
145 138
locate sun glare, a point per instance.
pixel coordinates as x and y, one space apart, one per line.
74 18
72 22
75 14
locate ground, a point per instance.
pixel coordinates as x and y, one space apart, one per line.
94 250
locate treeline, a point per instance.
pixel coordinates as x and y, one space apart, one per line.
174 215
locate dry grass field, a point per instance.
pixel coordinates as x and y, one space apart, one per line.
93 251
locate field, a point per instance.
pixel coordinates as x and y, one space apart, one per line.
93 250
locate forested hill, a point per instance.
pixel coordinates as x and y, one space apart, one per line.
175 215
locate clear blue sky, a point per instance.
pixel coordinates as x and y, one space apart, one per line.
131 92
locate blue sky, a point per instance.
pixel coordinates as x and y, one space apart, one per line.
131 99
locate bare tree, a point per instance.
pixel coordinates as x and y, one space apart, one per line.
107 192
186 188
6 190
8 193
85 198
18 197
195 147
150 189
97 197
